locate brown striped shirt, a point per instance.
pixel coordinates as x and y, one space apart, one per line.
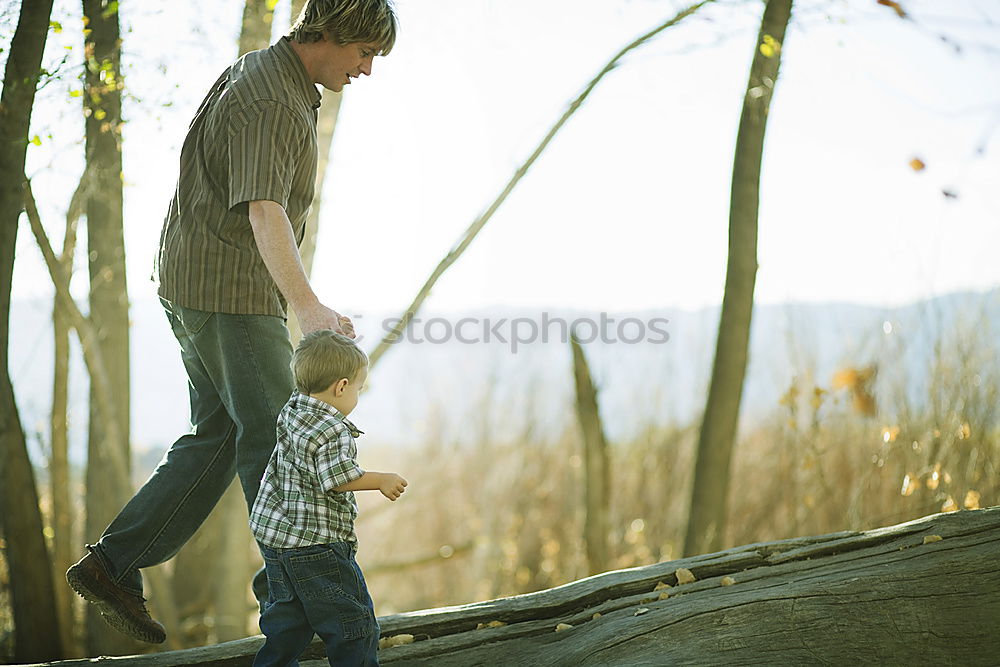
253 138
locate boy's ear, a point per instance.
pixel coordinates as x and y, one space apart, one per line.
339 386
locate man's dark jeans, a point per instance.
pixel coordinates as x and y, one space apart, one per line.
317 589
238 380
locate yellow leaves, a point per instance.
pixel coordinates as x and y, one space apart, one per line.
930 539
110 10
949 505
596 616
936 477
858 381
817 398
727 581
895 6
76 93
770 47
36 140
640 611
395 640
684 576
916 164
889 433
100 114
663 596
563 626
56 26
660 586
971 501
964 431
491 624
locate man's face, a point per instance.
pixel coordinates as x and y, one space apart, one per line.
345 62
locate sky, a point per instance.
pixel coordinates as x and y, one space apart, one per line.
628 207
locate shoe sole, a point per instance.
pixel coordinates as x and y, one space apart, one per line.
109 613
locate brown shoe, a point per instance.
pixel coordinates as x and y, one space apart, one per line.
122 610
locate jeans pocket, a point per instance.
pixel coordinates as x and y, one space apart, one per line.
192 320
278 587
317 572
326 581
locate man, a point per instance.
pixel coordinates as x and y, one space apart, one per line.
227 267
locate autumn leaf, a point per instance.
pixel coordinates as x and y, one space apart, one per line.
684 576
395 640
563 626
928 539
916 164
895 6
727 581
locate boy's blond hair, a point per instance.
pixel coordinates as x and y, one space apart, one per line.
347 21
322 358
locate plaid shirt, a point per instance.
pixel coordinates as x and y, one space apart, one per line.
297 505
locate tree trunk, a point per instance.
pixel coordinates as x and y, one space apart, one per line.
255 32
36 620
923 592
108 290
707 519
597 482
63 538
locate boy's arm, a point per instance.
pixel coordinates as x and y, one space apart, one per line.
389 483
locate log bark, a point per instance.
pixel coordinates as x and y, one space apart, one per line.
922 592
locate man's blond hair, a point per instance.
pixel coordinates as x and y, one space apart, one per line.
346 22
324 357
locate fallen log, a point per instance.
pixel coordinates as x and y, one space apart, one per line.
925 591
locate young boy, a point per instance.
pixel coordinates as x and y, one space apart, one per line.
303 517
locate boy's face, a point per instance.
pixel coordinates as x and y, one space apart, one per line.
348 399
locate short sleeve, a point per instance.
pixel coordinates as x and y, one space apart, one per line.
335 464
264 145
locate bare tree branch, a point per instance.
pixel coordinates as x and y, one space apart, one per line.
477 225
88 341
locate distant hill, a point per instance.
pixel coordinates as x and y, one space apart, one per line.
442 390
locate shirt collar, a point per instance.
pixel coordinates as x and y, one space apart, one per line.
293 65
305 401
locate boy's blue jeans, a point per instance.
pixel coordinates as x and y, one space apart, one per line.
317 589
238 380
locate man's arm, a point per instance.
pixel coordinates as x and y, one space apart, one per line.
389 483
273 233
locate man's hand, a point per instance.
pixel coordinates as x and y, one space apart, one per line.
391 485
319 317
273 233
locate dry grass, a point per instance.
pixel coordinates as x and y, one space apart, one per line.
498 511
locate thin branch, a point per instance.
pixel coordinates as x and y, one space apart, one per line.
477 225
88 341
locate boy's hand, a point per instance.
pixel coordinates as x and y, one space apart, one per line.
391 485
